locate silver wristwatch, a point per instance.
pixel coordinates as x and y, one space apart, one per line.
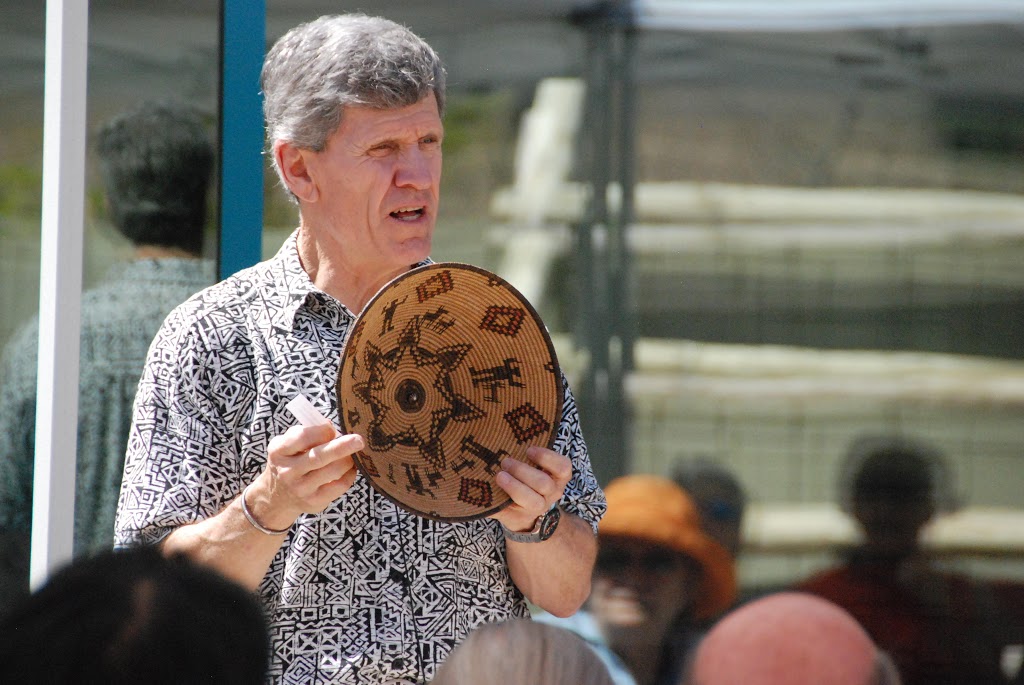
542 530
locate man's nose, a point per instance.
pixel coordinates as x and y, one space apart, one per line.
416 169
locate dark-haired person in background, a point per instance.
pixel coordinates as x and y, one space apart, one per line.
720 499
940 627
156 162
135 616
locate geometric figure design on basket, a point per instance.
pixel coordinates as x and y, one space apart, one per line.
497 376
503 320
438 284
476 492
388 321
367 463
438 320
526 422
414 481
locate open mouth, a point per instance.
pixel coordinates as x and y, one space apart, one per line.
408 213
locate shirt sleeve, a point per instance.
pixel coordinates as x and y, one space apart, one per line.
182 463
583 495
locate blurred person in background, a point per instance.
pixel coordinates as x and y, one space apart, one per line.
156 162
941 628
522 652
135 616
657 580
720 499
789 638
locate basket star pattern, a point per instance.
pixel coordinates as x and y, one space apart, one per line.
455 407
364 592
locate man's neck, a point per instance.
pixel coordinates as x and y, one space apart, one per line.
347 283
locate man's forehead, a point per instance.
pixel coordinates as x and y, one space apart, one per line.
372 122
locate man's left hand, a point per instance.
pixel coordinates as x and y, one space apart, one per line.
534 486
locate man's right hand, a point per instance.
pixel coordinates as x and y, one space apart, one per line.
307 469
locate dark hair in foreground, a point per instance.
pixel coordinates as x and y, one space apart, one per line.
156 161
135 616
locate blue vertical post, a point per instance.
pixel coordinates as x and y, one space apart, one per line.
242 46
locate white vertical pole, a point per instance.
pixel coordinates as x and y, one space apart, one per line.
64 131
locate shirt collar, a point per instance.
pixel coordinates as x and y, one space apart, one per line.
293 287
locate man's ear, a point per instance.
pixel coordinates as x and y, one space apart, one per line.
293 163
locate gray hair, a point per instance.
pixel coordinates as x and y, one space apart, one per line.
317 69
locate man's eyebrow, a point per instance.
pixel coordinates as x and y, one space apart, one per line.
398 139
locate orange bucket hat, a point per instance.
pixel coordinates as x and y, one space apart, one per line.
657 510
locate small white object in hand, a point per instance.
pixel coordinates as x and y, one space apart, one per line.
303 410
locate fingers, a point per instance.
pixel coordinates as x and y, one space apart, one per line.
303 450
298 439
533 486
309 467
332 490
340 447
547 476
334 470
556 465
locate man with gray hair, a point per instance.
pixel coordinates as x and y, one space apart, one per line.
357 588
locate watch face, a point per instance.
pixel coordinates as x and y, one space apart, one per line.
549 523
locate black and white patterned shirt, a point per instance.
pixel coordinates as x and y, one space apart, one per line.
364 592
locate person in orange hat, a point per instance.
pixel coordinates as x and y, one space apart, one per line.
656 571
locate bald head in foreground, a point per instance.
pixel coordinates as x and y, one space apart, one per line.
793 639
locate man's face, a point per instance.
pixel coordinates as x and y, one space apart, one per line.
639 588
378 182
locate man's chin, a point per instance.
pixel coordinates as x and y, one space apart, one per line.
415 250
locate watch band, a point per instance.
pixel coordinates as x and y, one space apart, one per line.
543 529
